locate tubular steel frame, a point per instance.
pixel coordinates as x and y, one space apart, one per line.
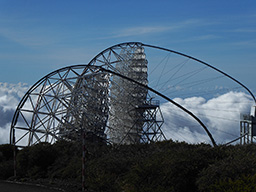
110 56
54 109
87 102
104 59
57 106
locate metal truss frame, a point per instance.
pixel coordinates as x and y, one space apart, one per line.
65 102
62 102
45 109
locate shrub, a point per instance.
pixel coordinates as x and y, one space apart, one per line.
34 161
241 184
6 161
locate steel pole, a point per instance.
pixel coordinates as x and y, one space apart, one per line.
83 161
14 155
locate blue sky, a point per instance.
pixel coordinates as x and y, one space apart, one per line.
37 37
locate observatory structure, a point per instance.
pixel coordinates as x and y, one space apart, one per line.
87 109
125 120
111 108
248 127
86 99
115 98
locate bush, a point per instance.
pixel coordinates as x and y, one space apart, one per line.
6 161
34 161
163 166
173 169
6 152
238 161
6 169
241 184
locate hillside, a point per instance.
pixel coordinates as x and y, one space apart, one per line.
159 167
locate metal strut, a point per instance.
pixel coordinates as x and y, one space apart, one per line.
168 99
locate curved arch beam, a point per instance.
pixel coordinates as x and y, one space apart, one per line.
31 89
168 99
23 100
111 48
204 63
176 52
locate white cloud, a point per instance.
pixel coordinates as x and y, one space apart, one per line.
30 38
150 29
134 31
221 115
10 95
245 43
245 30
202 38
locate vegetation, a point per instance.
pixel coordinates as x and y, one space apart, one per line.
160 167
6 161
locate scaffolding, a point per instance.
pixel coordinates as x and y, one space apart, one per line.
248 127
126 95
88 108
152 121
111 105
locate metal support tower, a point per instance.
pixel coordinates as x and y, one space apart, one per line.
88 108
152 121
128 95
248 127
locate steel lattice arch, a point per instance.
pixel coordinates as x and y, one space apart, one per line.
80 97
114 98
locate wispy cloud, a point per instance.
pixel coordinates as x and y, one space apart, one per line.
245 30
134 31
29 32
201 38
245 44
205 37
26 37
154 29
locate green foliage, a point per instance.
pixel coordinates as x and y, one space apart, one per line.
163 167
106 171
173 169
6 161
67 162
238 161
6 169
6 152
34 161
241 184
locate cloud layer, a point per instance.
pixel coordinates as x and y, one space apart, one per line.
10 95
220 114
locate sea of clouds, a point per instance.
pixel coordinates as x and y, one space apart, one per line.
220 114
10 96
